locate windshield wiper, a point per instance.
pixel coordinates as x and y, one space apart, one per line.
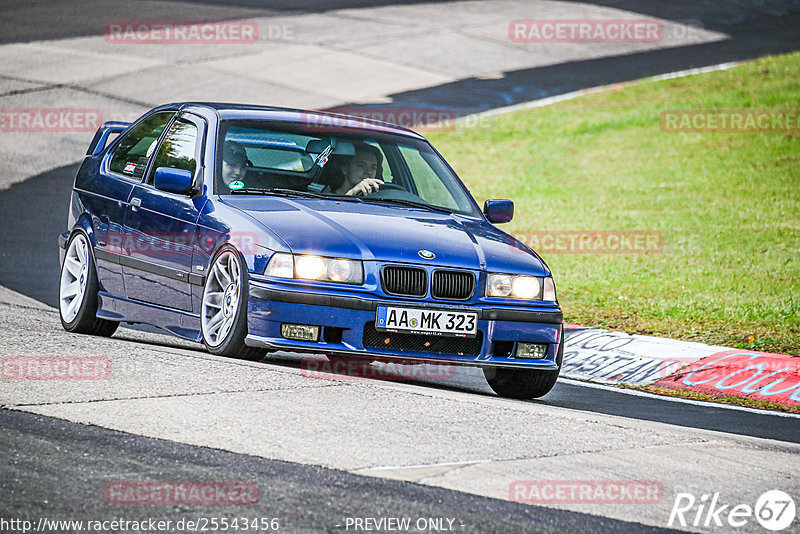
294 192
277 192
409 203
309 194
282 192
256 191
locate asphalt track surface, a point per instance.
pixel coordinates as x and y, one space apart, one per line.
756 28
34 20
57 469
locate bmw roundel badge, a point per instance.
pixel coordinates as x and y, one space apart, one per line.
426 254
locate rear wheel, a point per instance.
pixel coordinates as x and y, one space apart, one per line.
523 383
223 315
77 291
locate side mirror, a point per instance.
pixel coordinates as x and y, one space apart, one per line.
173 180
498 211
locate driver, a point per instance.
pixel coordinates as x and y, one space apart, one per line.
362 172
234 163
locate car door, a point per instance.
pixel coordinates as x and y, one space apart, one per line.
120 172
162 226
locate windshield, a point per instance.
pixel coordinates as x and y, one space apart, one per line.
259 157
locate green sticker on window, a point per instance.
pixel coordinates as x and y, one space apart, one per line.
236 184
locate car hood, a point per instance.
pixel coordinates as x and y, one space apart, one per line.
389 233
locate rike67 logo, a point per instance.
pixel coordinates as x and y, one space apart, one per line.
774 510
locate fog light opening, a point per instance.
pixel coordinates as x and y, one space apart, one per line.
531 351
332 334
300 332
502 349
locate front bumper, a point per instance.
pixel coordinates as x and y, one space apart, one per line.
347 322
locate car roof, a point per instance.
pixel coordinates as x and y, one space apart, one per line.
322 119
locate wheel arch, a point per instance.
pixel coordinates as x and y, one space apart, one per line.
255 259
84 226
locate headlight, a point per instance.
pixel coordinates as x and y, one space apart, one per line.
342 270
520 287
525 287
308 267
498 285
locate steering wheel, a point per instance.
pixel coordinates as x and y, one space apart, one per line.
383 187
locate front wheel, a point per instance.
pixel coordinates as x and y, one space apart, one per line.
523 383
223 315
77 291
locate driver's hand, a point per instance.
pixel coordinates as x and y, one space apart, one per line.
367 186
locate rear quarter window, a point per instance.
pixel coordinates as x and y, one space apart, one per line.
131 155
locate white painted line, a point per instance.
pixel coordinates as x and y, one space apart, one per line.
708 404
581 92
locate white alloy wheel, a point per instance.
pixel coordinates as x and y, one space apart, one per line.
221 299
74 278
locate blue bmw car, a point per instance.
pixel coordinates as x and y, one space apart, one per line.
257 229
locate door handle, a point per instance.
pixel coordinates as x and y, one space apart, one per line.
136 202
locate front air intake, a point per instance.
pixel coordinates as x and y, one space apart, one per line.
404 281
453 285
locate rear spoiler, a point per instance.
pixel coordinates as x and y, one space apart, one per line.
101 137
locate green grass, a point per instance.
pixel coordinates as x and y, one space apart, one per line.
727 204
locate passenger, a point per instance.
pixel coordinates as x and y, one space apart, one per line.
234 164
360 174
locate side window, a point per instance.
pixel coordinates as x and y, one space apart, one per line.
177 150
133 152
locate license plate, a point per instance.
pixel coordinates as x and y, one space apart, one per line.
437 322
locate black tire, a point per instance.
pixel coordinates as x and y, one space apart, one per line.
523 383
86 320
232 343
